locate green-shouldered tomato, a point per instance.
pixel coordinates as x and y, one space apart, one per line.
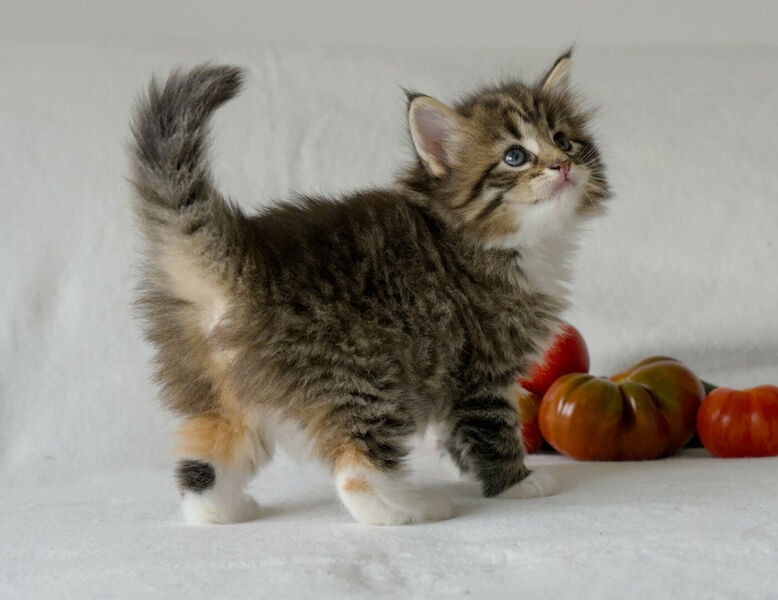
645 412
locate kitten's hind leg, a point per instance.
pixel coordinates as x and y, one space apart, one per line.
218 455
381 496
485 442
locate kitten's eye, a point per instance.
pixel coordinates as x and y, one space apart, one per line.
561 141
515 157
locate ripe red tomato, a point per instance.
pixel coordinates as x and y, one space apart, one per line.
645 412
734 423
566 354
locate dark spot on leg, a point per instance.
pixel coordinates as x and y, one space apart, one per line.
195 476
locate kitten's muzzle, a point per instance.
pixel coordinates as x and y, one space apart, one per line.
565 176
563 166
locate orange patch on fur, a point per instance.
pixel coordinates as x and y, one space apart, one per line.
348 456
212 436
355 486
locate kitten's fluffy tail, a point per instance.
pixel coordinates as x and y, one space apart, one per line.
168 158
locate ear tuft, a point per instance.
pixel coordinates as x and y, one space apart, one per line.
410 95
557 78
435 129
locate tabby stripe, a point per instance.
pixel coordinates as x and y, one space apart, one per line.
494 203
479 186
522 115
535 108
512 129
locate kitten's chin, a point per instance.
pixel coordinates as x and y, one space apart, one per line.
545 222
566 192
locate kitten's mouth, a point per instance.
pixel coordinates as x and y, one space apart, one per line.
562 184
556 191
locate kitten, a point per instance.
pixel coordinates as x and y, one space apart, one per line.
358 322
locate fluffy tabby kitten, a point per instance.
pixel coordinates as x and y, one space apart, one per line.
357 322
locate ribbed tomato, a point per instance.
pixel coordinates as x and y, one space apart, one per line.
645 412
567 353
734 423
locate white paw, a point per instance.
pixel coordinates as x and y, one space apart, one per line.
432 505
538 484
204 509
414 507
378 513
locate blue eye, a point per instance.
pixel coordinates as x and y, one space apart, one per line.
515 157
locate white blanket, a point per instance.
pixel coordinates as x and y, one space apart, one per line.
683 265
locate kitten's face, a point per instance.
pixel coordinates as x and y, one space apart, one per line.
511 165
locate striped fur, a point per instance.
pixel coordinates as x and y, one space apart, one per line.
355 322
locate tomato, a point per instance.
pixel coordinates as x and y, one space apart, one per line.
734 423
528 419
566 354
645 412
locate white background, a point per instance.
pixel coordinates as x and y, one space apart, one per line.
684 264
407 23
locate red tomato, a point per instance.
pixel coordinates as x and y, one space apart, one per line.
734 423
643 413
528 419
566 354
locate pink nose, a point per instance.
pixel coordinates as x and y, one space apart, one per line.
563 166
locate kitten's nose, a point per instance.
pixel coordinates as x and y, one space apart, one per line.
563 166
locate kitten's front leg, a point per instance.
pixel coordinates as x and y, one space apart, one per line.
485 441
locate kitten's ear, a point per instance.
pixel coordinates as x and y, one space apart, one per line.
436 131
558 76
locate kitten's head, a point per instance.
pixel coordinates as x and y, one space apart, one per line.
511 164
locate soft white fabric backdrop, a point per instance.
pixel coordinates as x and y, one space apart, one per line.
684 265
